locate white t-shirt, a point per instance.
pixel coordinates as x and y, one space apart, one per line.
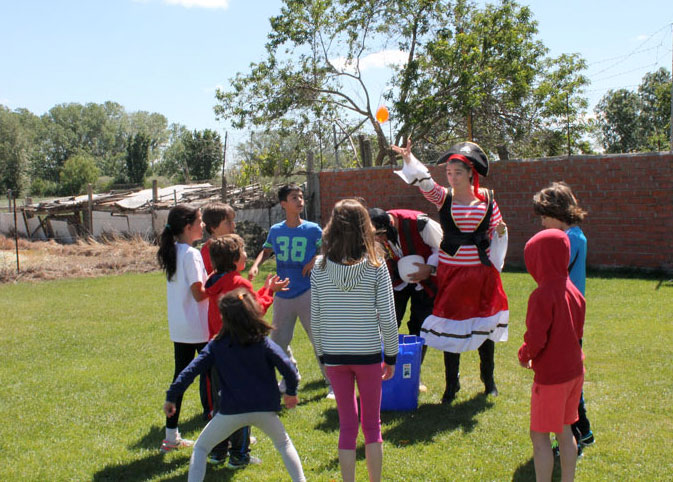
187 318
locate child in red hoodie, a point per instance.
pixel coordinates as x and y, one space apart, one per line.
228 257
554 325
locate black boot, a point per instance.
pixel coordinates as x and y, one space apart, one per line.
451 367
487 366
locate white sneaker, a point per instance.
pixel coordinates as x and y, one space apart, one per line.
330 394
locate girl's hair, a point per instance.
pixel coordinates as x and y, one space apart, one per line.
349 235
558 201
242 319
225 251
215 213
179 217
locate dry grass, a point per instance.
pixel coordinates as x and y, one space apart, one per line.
46 260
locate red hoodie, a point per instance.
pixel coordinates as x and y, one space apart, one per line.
205 254
219 284
555 316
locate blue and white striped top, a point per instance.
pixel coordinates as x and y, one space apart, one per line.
352 312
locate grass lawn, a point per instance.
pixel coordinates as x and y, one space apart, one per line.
85 365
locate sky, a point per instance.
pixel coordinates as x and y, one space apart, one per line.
169 56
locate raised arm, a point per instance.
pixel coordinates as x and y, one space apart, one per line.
415 173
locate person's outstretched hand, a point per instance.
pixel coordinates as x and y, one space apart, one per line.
404 151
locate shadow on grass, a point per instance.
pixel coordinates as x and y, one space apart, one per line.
317 389
423 424
155 464
431 419
526 472
152 439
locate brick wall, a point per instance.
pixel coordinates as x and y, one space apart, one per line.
629 198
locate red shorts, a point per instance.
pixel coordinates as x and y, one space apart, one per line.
553 406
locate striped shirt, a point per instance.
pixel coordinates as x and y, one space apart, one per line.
352 312
467 218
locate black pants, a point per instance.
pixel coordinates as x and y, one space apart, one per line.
184 353
421 307
582 427
238 443
486 365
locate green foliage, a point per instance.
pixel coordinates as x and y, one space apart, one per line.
269 154
14 149
636 121
41 187
202 154
104 184
467 67
137 155
161 181
99 130
77 172
109 362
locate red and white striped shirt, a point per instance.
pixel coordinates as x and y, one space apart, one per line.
467 218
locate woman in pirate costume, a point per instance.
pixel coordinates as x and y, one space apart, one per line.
470 310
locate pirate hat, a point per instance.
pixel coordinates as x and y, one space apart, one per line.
470 152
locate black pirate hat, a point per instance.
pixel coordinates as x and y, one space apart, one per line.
470 152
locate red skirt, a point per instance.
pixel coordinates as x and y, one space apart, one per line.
470 307
468 291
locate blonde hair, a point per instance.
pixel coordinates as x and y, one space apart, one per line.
349 235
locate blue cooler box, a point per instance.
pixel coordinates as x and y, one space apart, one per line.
401 391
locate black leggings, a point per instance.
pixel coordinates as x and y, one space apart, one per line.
184 353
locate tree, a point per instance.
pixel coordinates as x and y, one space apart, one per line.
77 172
636 121
172 162
203 154
137 155
14 149
655 95
467 70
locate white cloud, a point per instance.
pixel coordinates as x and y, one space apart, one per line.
223 4
377 60
640 38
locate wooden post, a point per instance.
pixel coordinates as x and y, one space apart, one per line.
89 209
153 211
224 162
11 197
313 187
336 147
155 191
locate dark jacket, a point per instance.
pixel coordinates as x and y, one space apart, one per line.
246 374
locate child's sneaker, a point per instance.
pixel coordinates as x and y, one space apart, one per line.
557 452
587 439
330 394
168 445
216 459
239 463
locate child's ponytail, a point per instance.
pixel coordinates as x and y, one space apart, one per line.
178 217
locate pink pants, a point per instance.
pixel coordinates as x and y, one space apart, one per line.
368 377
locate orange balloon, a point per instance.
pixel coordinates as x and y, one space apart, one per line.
382 114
